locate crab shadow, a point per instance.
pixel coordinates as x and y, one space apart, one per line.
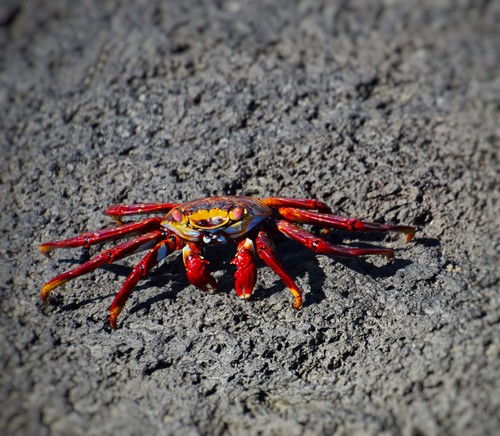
301 263
298 261
170 273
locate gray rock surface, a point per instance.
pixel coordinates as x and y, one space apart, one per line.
387 110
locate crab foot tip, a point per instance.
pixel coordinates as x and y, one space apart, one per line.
112 323
117 220
45 292
297 303
113 316
46 249
410 233
49 286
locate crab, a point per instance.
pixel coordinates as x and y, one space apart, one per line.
247 222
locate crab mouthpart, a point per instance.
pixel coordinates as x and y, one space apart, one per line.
214 238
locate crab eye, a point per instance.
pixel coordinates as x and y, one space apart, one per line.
236 213
177 215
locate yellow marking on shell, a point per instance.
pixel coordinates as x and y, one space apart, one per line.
209 218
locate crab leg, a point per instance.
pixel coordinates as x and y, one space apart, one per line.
301 203
266 252
339 222
120 210
90 238
246 272
319 245
197 269
120 251
155 255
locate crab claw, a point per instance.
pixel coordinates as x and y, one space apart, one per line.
246 272
196 269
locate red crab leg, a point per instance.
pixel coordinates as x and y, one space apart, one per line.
344 223
246 272
266 252
140 208
197 269
90 238
319 245
302 203
113 254
157 253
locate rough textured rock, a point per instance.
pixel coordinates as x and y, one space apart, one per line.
386 110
